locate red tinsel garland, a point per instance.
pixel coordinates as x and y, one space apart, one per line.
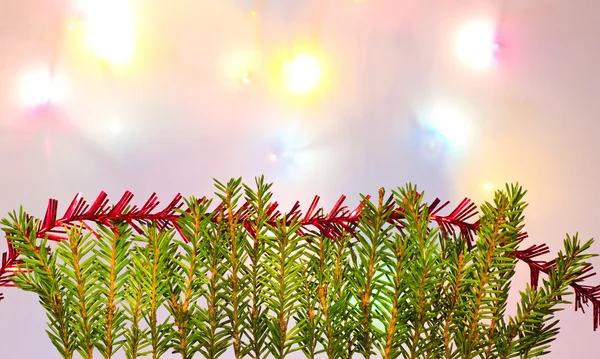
330 225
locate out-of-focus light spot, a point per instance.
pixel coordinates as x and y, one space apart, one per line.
246 78
477 46
302 74
253 13
115 127
450 123
284 147
40 88
434 144
488 187
110 30
238 66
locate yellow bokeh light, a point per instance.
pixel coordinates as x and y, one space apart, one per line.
246 78
110 30
488 187
302 74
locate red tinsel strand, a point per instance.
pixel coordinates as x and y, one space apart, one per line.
534 276
596 314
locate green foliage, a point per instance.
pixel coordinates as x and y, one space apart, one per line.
259 201
111 256
80 278
43 277
188 281
249 280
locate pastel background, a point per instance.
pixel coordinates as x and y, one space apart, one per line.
193 90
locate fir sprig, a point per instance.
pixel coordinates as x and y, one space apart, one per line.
320 288
491 268
259 204
373 233
40 275
283 284
79 269
189 278
152 260
230 194
112 253
216 324
422 276
244 276
306 319
531 331
135 337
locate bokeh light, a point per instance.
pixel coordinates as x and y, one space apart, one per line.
246 78
450 122
477 45
115 127
40 88
110 30
303 74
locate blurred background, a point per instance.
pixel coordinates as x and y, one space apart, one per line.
324 97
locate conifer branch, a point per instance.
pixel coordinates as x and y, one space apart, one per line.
79 268
259 211
241 304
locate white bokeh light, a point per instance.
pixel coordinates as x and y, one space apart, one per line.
450 122
477 46
115 127
302 74
40 88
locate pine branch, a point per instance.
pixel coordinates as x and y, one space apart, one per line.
283 285
423 272
323 267
396 318
218 327
458 286
152 262
79 267
491 237
38 273
230 194
112 251
372 235
306 320
351 281
135 337
188 278
534 322
259 212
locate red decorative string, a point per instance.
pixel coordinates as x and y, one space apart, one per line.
330 224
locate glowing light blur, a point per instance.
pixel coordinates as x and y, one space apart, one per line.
476 45
238 66
302 74
246 78
110 30
115 127
40 88
488 187
450 123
